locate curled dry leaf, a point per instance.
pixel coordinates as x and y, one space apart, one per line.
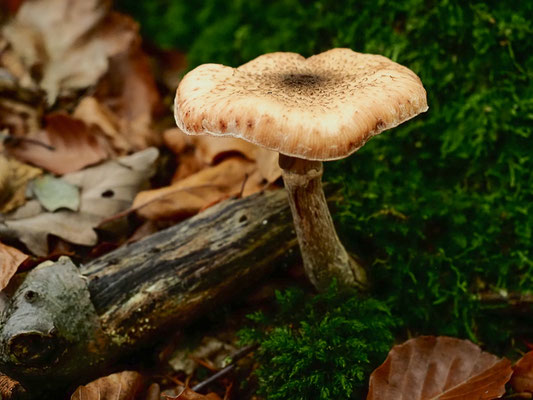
14 177
522 379
70 41
10 260
124 385
443 368
74 145
105 190
190 195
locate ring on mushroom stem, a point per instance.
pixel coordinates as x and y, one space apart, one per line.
310 110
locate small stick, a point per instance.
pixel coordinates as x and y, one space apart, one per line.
11 140
226 370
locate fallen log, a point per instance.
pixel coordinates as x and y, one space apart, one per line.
63 323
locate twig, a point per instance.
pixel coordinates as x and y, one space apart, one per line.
512 299
10 140
226 370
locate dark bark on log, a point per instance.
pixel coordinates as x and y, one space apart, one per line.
65 323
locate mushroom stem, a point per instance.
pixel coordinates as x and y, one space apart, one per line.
323 254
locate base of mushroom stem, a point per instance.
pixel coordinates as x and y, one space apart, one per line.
323 254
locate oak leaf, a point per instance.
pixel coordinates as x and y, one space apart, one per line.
443 368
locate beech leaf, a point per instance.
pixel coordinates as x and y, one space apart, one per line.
124 385
522 379
443 368
10 260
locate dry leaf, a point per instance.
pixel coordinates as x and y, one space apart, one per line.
105 190
176 140
188 164
75 145
211 348
211 149
189 394
54 193
18 118
71 41
268 165
443 368
14 178
129 91
120 386
10 388
92 112
522 379
10 260
190 195
171 65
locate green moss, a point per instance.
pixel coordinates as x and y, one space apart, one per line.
441 207
320 348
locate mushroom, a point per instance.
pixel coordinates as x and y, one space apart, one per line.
309 110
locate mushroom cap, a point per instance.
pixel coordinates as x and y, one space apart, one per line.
324 107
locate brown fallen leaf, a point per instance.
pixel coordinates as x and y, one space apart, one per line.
443 368
522 379
75 145
105 190
211 149
129 90
176 140
124 385
14 178
189 394
18 118
188 196
188 164
171 65
10 388
92 112
71 42
10 260
268 165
